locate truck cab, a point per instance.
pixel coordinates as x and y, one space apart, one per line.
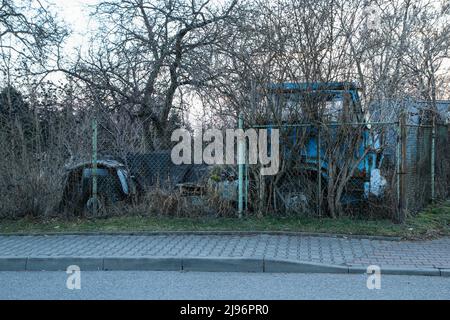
314 113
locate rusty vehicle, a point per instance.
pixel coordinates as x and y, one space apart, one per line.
114 184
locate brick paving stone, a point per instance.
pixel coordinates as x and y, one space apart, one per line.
329 250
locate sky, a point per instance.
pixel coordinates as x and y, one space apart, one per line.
76 14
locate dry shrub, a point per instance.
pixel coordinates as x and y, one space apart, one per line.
30 186
32 166
170 203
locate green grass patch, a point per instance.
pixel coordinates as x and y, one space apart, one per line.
431 223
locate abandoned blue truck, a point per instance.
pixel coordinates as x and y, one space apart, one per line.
302 111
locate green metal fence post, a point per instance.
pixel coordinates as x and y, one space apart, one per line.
241 161
94 168
397 168
401 169
433 159
247 178
319 175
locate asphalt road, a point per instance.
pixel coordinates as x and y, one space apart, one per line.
198 286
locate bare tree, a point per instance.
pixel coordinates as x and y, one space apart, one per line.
147 50
429 50
30 34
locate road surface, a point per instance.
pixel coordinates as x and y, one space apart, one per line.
199 286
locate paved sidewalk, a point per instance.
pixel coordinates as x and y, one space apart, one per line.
276 253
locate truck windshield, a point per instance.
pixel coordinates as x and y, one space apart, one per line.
304 107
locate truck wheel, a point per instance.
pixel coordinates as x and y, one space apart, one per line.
101 212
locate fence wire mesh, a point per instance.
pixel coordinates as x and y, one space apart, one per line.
375 170
442 161
359 169
330 169
417 170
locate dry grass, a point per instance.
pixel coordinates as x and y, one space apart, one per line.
168 203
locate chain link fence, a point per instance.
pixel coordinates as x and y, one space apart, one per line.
372 170
442 161
130 171
387 170
98 165
330 170
417 191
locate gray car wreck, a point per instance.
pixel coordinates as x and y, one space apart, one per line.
114 182
117 182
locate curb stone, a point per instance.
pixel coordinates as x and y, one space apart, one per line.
410 271
289 266
445 272
61 263
13 264
223 264
205 264
357 270
142 264
391 270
